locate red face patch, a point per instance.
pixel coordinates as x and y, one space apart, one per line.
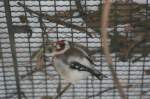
61 44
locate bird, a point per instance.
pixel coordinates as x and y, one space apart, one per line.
72 62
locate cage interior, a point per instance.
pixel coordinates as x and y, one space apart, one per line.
28 26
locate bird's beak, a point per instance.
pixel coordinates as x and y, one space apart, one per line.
52 43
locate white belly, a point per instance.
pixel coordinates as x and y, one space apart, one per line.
75 76
68 74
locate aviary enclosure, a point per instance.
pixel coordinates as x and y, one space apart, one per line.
27 28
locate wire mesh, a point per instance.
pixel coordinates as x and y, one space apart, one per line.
28 25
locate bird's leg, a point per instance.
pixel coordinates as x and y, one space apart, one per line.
65 89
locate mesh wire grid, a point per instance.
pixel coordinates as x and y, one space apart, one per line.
19 40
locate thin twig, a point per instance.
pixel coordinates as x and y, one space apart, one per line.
84 15
104 25
14 94
56 20
143 93
59 94
33 71
108 89
59 87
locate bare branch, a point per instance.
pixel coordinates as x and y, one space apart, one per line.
104 25
56 20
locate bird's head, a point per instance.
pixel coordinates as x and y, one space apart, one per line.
61 45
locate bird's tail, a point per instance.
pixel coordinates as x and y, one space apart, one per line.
98 74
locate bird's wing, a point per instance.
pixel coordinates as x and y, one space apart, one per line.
76 45
87 53
80 67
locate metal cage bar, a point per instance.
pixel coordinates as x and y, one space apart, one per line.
28 26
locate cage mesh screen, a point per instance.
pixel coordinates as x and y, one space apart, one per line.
27 26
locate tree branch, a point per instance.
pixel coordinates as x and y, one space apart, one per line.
104 25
